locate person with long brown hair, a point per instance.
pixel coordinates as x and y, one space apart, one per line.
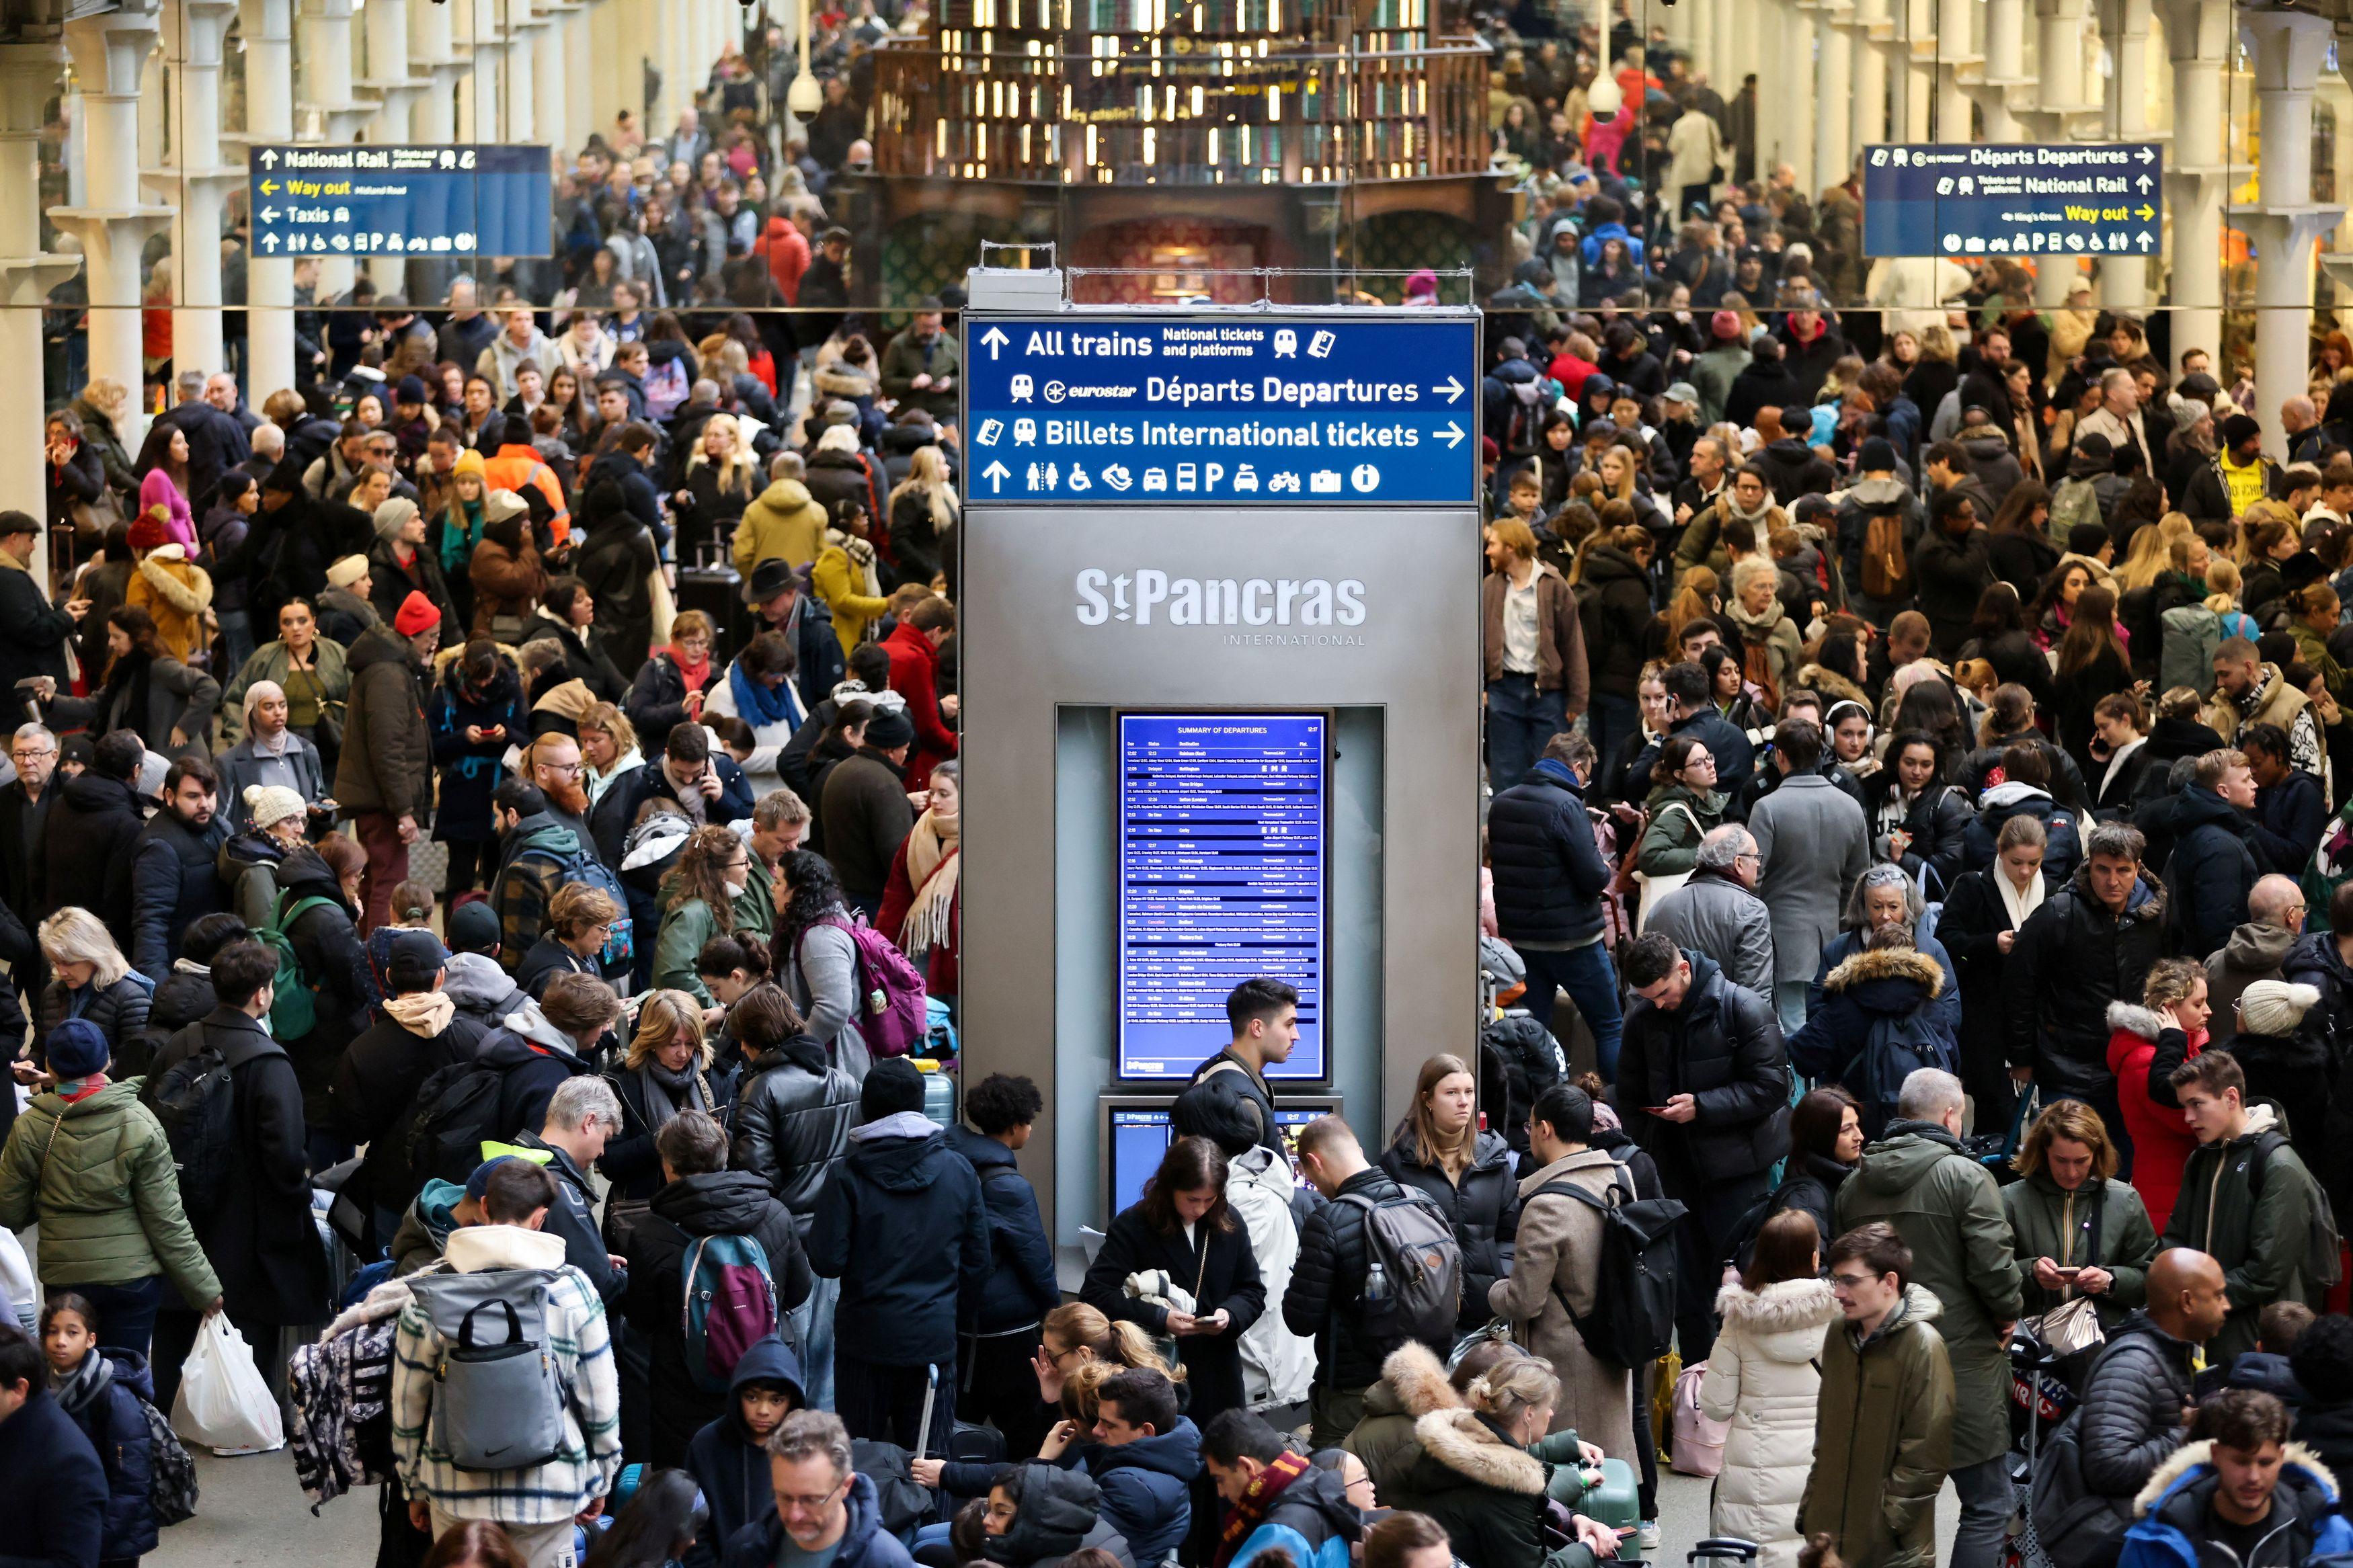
1761 1378
668 1070
2094 662
2079 1231
698 901
1440 1148
1210 1292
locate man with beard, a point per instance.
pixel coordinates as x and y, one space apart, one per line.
554 769
172 880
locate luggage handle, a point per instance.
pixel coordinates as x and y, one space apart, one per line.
466 1325
1723 1548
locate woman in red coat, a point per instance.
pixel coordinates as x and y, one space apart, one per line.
921 909
2146 1043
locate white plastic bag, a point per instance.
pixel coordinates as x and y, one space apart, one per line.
223 1405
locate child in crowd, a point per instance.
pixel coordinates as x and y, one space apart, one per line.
105 1391
729 1456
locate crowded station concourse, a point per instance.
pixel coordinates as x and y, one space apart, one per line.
482 947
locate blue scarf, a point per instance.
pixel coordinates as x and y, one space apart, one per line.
759 706
1559 772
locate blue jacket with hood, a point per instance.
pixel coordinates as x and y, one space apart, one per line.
2171 1532
1147 1488
902 1225
729 1463
104 1401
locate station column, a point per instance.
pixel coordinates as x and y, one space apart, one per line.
267 29
2198 38
2288 48
28 80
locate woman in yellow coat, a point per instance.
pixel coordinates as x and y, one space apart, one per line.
170 587
844 579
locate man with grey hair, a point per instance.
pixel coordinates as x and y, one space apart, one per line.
583 1115
2257 950
25 812
1717 912
216 441
826 1512
1947 1208
2118 416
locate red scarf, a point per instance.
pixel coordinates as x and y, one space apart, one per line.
1248 1514
694 675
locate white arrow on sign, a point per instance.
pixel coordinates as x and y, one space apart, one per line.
269 158
2146 183
269 214
1452 387
2148 155
996 338
2147 239
996 474
1454 434
269 242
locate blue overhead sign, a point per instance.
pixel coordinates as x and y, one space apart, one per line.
400 201
1249 411
2066 198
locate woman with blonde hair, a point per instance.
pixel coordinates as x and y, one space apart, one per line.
1762 1379
922 512
609 749
2079 1231
1440 1148
91 978
667 1071
2150 554
698 901
722 477
1475 1475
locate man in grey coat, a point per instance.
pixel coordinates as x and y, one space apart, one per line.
1717 912
1824 844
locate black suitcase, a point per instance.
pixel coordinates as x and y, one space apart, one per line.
718 591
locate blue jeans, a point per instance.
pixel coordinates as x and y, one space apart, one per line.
1987 1500
1789 1002
813 1332
1591 982
1520 720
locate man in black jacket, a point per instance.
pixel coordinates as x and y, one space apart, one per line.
700 1198
33 632
2135 1410
582 1114
84 856
1703 1085
374 1089
2213 870
1325 1302
1227 1101
1549 878
25 804
2091 944
1001 1332
173 879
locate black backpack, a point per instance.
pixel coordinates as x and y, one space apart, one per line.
456 1110
195 1101
1518 1060
1633 1317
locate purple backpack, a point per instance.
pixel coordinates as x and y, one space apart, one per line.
891 1003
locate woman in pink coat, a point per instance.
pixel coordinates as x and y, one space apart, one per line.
166 485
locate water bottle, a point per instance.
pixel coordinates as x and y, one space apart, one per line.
1377 1283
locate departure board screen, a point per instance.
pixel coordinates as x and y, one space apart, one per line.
1222 842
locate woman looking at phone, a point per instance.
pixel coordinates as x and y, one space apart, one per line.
2080 1232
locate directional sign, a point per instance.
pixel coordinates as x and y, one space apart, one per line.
400 201
1253 411
2005 199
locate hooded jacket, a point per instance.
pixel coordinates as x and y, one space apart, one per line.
2213 868
1549 874
388 758
728 1461
2257 1223
1884 1437
1488 1493
103 1398
2254 952
2176 1508
1947 1208
1763 1379
2127 1425
482 991
2102 1223
1145 1488
865 1543
1722 1047
1021 1288
97 1175
2144 1047
903 1226
533 1058
1794 469
2063 850
176 592
2071 959
1413 1383
375 1086
54 1492
784 522
87 849
1555 1270
1875 1003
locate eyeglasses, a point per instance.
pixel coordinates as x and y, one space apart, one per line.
1850 1281
810 1504
568 769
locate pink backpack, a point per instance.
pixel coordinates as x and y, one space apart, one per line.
1698 1442
891 1003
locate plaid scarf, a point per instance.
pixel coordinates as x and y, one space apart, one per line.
1250 1512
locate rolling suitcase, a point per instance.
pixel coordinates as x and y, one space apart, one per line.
716 589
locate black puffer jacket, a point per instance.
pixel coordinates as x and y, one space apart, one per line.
716 1203
1936 819
1723 1048
1549 876
2213 871
1484 1207
1326 1299
792 1122
2129 1423
1227 1104
86 852
2069 960
119 1010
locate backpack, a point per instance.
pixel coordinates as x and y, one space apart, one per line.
1698 1438
730 1304
1413 1271
1518 1060
1894 1050
666 387
197 1103
1886 572
1633 1318
579 865
892 1014
171 1474
294 1007
2324 1251
2189 635
455 1111
498 1398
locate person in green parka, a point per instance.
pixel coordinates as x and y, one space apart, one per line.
91 1164
2079 1231
1947 1208
700 898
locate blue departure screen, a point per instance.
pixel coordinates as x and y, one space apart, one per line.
1222 830
1140 1136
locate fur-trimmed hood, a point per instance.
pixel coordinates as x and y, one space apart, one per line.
1886 963
2132 1018
1833 687
1417 1378
1784 1320
2191 1455
1463 1442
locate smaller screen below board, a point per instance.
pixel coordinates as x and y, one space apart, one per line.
1140 1136
1223 825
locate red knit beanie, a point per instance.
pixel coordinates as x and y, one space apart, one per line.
416 613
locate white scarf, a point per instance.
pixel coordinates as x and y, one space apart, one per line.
2020 905
2117 761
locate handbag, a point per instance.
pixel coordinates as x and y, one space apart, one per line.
1656 887
2072 1327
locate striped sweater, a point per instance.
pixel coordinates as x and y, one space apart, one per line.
578 1332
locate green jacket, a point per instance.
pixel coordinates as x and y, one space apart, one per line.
2048 1223
2259 1239
98 1178
755 907
1883 1438
1669 843
271 662
684 930
1947 1208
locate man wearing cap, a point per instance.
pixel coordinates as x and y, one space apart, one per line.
173 879
33 632
384 776
784 606
866 811
399 566
2239 476
1723 359
420 1032
410 425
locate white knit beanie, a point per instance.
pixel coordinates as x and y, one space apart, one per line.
2276 1006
